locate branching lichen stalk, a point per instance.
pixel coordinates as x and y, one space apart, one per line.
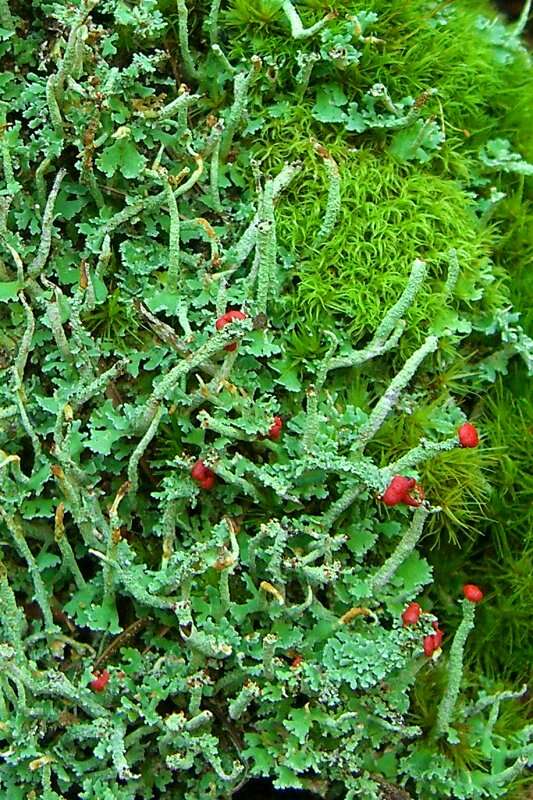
334 192
14 525
41 257
297 29
402 551
455 669
391 396
183 35
241 86
266 243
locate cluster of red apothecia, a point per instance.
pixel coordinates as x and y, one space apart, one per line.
403 490
433 641
410 616
206 478
406 491
203 475
225 319
101 679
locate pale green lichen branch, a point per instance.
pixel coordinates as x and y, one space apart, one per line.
392 394
139 451
11 184
43 251
11 617
25 344
192 362
405 547
212 22
454 269
217 50
52 683
506 776
266 244
173 273
191 181
131 584
269 647
249 692
455 669
312 417
339 507
67 553
392 326
84 393
241 85
183 101
40 172
306 62
14 525
53 107
54 319
523 19
149 203
333 205
240 251
297 29
20 399
393 316
215 169
18 263
494 699
418 455
183 36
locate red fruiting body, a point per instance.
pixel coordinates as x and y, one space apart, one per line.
399 491
225 319
411 614
100 681
274 432
208 482
296 661
472 592
429 645
433 641
415 501
438 634
204 476
199 471
468 435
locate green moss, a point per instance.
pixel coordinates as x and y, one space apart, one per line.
445 46
514 248
508 415
389 216
506 562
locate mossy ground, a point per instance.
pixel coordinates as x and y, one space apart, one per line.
391 213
